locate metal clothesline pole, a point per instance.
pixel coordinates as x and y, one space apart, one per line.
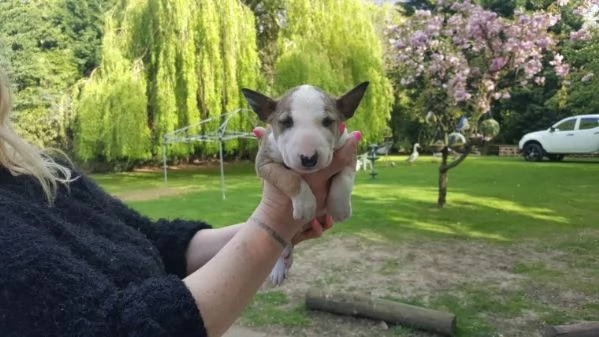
222 168
164 163
179 136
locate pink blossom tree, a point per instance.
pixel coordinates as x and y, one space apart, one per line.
468 57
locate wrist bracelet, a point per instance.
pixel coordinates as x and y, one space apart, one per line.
272 232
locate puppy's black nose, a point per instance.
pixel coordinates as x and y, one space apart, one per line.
309 161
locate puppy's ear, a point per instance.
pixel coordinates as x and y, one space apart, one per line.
348 103
262 105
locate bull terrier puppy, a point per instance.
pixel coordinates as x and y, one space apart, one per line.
305 127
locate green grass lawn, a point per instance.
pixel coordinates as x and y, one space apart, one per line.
488 198
497 201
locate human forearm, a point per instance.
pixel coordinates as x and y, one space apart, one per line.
206 243
224 286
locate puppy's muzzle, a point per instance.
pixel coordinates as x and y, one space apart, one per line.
309 161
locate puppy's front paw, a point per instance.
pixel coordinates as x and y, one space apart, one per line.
304 204
339 201
278 273
340 209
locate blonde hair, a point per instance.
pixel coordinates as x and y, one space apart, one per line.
22 158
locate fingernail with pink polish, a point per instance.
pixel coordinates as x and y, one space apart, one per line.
358 135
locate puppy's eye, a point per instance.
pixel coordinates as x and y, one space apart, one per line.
327 121
286 123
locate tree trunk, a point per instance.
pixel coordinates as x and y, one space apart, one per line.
444 169
392 312
442 199
582 329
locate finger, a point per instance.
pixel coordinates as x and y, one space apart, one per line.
316 228
328 222
259 132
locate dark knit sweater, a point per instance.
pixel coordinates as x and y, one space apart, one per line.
90 266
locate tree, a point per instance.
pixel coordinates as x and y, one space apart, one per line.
468 57
112 120
581 96
188 59
409 7
534 107
41 67
269 16
81 23
322 45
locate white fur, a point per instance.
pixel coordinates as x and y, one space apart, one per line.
339 199
304 204
281 269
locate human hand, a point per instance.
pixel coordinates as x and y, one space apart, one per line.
277 207
316 229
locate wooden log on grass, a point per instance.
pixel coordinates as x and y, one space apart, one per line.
384 310
582 329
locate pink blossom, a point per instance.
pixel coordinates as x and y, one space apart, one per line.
437 50
461 95
532 67
419 38
579 35
543 43
562 70
497 64
400 45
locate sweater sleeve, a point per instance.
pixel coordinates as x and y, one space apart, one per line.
46 291
170 237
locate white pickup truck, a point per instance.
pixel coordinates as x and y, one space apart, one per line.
571 135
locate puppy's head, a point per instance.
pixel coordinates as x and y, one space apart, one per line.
306 122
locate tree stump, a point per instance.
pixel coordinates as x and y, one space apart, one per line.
583 329
384 310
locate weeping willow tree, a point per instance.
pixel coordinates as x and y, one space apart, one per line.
198 54
193 55
229 60
324 46
112 120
